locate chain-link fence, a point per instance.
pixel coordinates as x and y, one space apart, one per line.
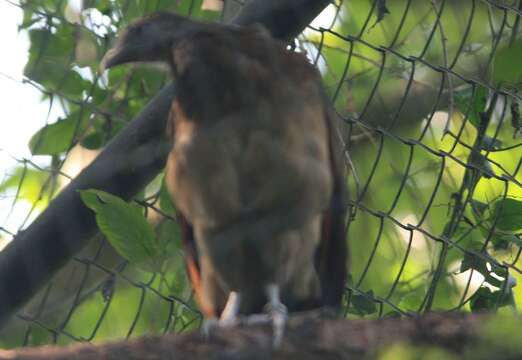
426 93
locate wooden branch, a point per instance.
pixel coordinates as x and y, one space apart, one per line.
307 337
125 166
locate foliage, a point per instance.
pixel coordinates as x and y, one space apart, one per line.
126 229
506 68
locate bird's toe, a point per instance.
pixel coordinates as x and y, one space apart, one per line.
208 326
229 322
278 315
279 319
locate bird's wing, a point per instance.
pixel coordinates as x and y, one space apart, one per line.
332 254
210 308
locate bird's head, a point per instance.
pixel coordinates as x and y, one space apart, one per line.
150 39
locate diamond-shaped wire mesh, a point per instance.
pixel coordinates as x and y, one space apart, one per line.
432 145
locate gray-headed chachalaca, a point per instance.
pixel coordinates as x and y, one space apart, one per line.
255 169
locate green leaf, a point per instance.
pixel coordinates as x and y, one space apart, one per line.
500 271
382 11
49 48
29 19
93 141
486 300
506 64
159 5
49 64
472 261
100 96
508 213
482 300
58 137
500 242
362 305
471 101
26 182
505 241
125 227
494 281
104 6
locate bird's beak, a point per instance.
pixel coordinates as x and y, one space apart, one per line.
111 58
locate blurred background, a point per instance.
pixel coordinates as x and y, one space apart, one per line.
428 104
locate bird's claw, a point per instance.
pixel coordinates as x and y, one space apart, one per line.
278 315
229 322
212 323
207 326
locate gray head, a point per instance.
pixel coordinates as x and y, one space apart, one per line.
150 39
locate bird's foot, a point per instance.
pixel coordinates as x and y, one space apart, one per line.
229 316
229 322
208 326
278 315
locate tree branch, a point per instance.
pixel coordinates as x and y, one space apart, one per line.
444 336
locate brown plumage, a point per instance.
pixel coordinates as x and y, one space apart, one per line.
255 169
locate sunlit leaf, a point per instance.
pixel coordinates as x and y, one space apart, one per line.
125 227
50 57
26 182
58 137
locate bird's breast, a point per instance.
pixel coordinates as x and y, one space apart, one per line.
241 165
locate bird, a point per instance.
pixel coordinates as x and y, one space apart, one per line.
255 170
